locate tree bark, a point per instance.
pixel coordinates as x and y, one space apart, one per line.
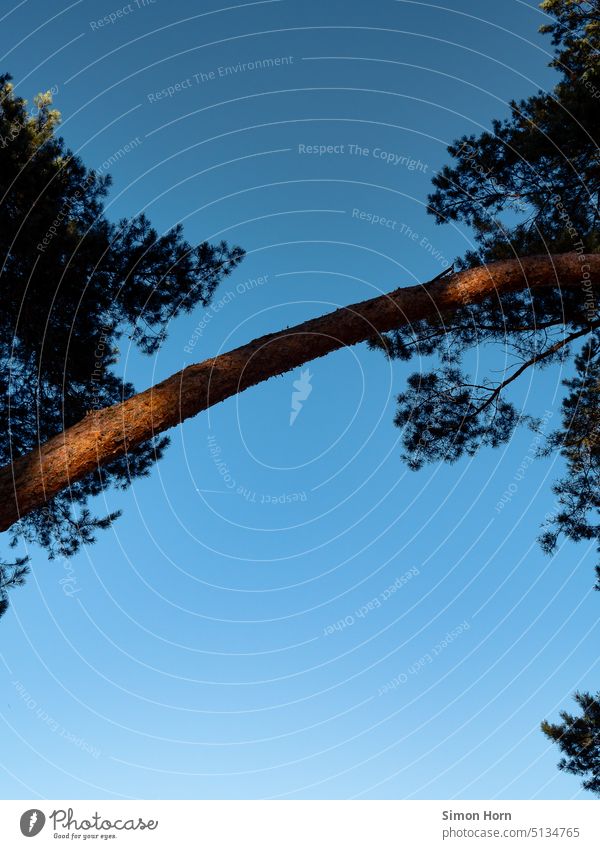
108 434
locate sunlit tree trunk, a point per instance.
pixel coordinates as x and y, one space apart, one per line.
108 434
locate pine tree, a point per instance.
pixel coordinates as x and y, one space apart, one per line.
530 191
72 284
531 186
579 738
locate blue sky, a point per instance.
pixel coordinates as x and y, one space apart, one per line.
285 610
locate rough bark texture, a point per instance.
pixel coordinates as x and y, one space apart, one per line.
108 434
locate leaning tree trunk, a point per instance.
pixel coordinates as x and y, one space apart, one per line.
108 434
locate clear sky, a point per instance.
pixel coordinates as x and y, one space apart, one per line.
192 652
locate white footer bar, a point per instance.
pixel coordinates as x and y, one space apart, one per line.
301 824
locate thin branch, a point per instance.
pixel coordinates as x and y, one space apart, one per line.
536 359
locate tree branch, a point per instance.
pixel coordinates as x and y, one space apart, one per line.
561 343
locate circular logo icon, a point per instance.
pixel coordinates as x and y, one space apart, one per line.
32 822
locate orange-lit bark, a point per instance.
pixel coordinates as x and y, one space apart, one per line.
108 434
